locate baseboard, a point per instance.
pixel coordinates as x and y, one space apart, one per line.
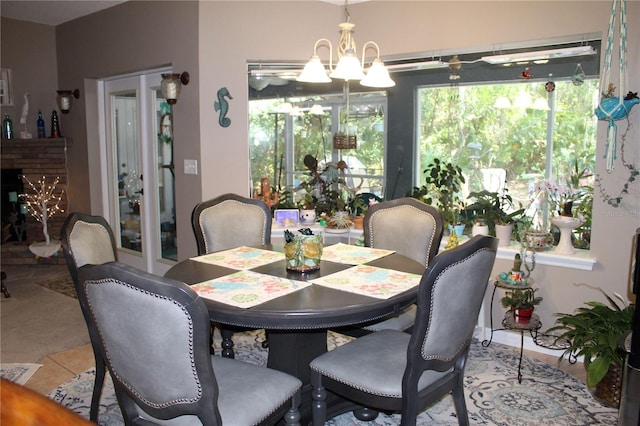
512 338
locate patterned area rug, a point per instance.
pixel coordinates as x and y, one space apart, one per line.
546 396
62 285
18 373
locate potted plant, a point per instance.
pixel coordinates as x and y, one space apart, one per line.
492 207
443 184
593 331
521 302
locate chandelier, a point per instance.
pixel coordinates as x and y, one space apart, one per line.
349 66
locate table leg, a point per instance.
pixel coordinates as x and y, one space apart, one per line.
292 352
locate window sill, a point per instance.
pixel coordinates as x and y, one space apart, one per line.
582 259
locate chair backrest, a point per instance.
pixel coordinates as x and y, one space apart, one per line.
154 336
449 299
87 240
406 225
229 221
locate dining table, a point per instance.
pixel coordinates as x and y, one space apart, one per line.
299 308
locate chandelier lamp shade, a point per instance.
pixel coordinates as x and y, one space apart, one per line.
349 67
171 86
65 99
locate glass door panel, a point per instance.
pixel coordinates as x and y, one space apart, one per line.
166 179
127 168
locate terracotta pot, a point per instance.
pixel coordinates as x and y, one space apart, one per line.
522 316
358 222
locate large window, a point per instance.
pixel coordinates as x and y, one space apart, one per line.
520 133
282 132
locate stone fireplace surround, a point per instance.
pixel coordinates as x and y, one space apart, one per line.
36 158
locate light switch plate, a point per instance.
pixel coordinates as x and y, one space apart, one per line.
190 167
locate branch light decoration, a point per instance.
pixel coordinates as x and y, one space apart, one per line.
43 203
349 66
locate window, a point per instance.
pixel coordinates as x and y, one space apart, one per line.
283 131
516 133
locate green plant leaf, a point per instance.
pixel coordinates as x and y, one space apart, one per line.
597 370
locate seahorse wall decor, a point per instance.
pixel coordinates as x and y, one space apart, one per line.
223 106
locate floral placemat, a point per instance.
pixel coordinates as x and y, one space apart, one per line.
245 289
352 255
370 281
241 258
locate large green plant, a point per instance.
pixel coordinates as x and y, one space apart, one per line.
491 207
443 184
593 331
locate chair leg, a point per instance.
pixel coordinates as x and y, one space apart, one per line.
4 289
227 343
460 404
97 389
319 400
292 417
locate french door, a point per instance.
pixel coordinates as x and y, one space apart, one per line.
138 131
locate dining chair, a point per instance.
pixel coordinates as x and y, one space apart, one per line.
154 336
88 240
410 228
393 371
229 221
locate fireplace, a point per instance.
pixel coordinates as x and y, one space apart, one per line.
35 159
13 217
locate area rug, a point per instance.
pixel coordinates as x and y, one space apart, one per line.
18 373
547 396
62 285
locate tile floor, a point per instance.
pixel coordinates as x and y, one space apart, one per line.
60 367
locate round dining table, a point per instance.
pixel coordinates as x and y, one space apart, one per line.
297 323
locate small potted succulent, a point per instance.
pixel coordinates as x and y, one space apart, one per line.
521 302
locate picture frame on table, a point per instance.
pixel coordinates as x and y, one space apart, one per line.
287 217
6 98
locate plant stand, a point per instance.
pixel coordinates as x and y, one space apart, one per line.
534 324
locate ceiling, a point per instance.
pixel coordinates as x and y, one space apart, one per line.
56 12
52 12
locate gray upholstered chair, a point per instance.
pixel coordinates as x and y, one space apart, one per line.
88 240
410 228
390 370
154 336
229 221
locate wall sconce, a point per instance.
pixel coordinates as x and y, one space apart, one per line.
65 99
171 86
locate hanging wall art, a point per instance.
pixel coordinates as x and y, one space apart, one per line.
222 105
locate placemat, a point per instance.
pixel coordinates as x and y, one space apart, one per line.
352 255
370 281
245 289
241 258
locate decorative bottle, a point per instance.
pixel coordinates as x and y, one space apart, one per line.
55 125
40 123
7 127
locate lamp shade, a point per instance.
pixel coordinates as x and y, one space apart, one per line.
171 87
314 72
348 68
65 99
377 76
